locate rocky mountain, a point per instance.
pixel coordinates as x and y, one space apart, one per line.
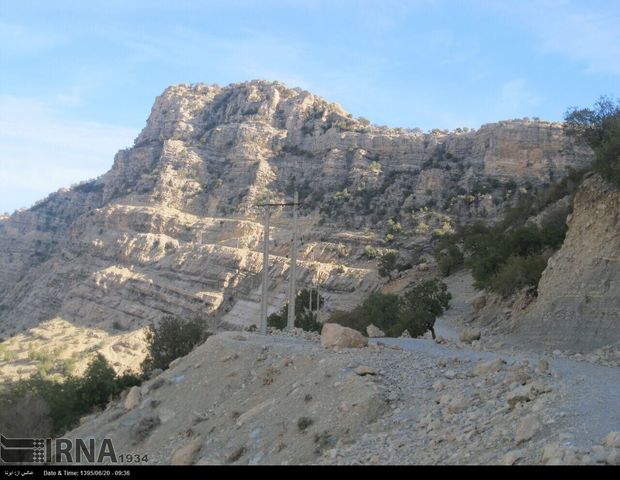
173 227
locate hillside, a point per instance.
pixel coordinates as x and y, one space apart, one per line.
578 306
249 399
173 227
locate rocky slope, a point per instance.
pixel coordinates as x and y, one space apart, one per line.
250 399
578 306
173 227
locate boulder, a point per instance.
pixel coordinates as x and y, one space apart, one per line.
185 455
334 335
469 335
526 429
374 332
479 302
132 400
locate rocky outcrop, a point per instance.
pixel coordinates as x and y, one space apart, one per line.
578 305
173 228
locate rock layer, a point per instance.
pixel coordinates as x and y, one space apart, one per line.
173 228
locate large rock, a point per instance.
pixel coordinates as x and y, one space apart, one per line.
334 335
132 400
186 454
527 428
469 335
479 302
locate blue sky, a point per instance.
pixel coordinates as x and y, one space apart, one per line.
78 78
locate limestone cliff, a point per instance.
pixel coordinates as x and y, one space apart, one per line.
578 306
173 227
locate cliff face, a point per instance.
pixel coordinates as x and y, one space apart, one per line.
578 306
173 228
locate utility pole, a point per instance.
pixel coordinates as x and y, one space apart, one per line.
263 305
292 292
267 205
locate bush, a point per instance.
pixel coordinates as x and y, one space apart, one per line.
28 416
517 273
171 339
448 256
40 407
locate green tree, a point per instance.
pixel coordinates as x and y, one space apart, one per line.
448 255
97 385
304 318
171 339
599 127
420 307
387 264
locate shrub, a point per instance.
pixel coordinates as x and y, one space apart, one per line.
387 264
448 256
171 339
98 383
517 273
